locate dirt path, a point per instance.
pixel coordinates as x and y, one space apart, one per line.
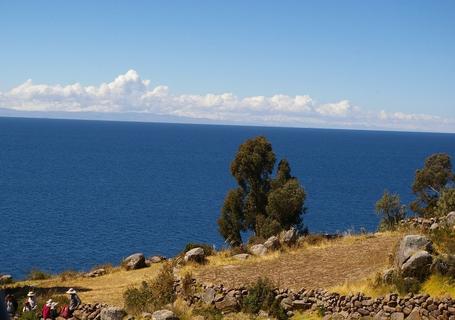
326 266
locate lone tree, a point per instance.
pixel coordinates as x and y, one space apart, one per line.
430 181
391 210
262 204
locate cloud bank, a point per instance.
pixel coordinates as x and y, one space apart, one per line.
129 94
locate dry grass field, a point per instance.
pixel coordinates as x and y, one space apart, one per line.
326 264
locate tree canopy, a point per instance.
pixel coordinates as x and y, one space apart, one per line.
262 204
430 181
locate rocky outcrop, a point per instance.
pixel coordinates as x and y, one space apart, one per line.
164 315
289 237
155 259
413 258
134 261
112 313
195 255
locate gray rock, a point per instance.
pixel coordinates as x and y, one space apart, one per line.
397 316
388 275
164 315
146 315
272 243
156 259
241 256
414 315
409 245
450 219
195 255
209 295
301 305
418 265
112 313
289 237
434 226
134 261
6 278
258 250
95 273
228 304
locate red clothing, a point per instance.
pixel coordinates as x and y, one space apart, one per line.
46 312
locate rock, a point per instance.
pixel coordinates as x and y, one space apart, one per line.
228 304
414 315
450 219
241 256
258 250
164 315
6 278
418 265
209 295
397 316
301 305
95 273
272 243
434 226
134 261
156 259
286 304
409 245
195 255
289 237
146 315
112 313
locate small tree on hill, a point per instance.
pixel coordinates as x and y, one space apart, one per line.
391 210
435 176
260 204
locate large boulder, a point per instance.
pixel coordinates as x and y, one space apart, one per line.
195 255
258 250
164 315
409 245
134 261
272 243
112 313
418 265
289 237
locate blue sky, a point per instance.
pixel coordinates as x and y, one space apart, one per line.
390 60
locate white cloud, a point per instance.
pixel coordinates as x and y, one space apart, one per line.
128 93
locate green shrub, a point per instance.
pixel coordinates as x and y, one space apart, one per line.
401 285
31 315
446 202
444 239
261 297
208 249
36 274
151 295
445 266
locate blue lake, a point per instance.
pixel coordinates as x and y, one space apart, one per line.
74 194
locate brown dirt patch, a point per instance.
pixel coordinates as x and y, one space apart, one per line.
323 266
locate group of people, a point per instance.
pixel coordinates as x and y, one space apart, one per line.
49 310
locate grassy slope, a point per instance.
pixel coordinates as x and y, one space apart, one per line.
343 265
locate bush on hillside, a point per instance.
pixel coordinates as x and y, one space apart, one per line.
446 203
151 295
444 239
261 297
36 274
391 210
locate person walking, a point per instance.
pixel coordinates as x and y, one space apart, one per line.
30 303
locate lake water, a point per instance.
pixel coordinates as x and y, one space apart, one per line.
74 194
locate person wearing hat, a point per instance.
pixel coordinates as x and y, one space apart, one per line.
11 305
54 312
75 301
30 303
46 312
